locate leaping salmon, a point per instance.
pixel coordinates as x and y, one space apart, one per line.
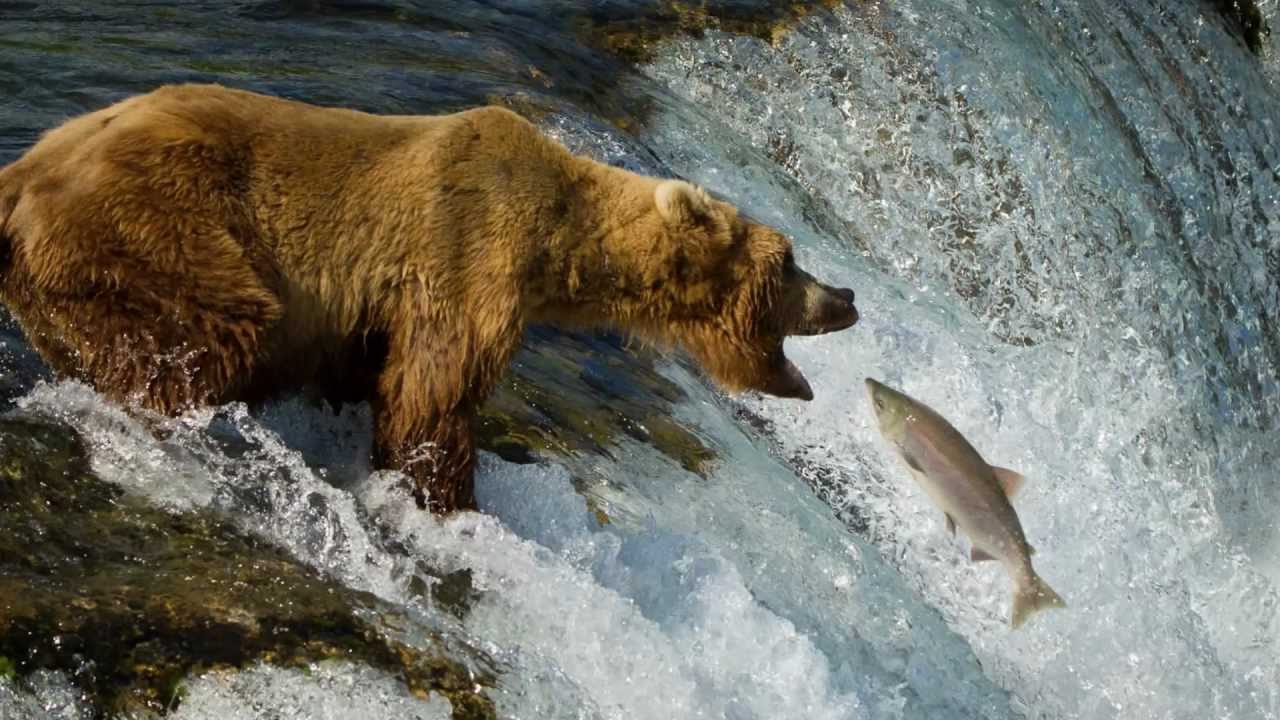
974 496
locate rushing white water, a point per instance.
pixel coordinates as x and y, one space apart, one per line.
326 691
1115 219
1063 223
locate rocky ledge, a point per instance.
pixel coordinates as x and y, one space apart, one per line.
128 600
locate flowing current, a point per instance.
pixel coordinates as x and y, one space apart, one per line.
1062 220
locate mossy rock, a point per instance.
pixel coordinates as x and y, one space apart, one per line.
128 600
571 395
633 34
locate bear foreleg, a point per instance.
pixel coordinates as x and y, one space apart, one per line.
439 457
441 365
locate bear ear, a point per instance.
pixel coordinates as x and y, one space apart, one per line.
681 203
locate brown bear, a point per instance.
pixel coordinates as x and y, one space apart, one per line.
200 244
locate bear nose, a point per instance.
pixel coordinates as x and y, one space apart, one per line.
839 311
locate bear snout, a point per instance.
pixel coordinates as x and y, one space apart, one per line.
826 309
841 310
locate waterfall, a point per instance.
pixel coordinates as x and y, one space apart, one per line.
1062 220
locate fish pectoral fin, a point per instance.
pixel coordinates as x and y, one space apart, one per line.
1009 480
951 523
977 554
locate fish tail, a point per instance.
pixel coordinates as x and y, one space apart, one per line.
1031 597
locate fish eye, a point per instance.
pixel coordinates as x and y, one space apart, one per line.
879 404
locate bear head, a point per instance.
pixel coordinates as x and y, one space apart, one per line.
728 291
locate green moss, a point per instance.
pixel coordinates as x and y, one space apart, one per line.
679 444
573 396
126 41
455 593
42 46
634 37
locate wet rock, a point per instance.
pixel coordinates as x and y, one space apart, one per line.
128 600
455 592
572 396
632 32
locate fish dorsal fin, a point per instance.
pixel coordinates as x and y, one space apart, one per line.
977 554
1009 480
951 523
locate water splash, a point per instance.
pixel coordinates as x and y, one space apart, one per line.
322 692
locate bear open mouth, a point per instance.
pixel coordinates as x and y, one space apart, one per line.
786 381
840 319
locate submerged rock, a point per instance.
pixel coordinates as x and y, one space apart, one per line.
571 395
632 32
128 600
